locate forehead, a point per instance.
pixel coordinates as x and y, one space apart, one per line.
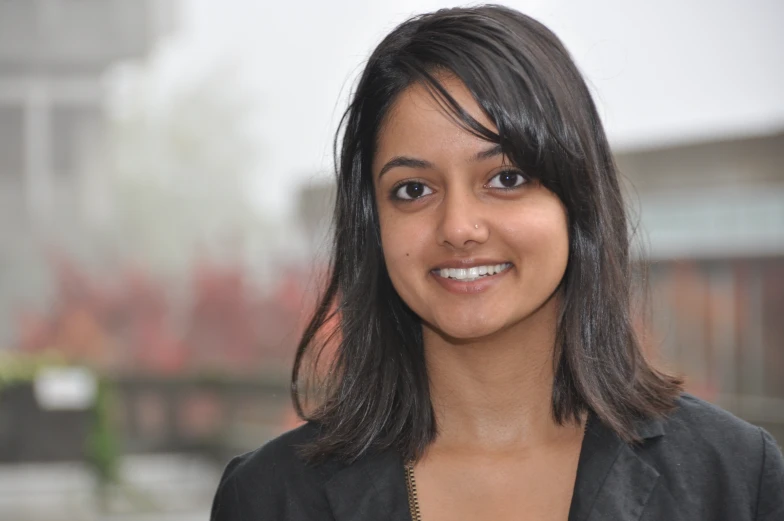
420 124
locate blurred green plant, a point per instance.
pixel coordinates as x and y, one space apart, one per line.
103 451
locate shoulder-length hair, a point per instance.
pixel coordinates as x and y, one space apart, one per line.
375 393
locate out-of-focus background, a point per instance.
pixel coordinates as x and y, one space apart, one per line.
164 195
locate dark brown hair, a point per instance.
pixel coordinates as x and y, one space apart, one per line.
375 394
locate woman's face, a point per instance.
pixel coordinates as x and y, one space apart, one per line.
471 245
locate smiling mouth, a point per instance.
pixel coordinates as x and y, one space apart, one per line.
473 273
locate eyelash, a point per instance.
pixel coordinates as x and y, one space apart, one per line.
395 189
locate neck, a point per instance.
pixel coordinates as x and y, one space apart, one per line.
495 393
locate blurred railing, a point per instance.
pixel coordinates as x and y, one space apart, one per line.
214 416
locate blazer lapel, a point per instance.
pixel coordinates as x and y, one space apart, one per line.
613 483
373 487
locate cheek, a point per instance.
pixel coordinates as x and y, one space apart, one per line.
396 244
553 241
391 242
543 237
404 245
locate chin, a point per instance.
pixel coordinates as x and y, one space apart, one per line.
463 331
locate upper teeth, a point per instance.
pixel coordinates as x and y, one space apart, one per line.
473 272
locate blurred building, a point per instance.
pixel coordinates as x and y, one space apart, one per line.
712 217
53 55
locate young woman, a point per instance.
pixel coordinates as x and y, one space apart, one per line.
484 363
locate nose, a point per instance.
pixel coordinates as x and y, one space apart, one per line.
461 224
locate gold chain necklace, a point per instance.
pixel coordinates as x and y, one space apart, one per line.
413 500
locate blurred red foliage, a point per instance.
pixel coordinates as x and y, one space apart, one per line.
132 324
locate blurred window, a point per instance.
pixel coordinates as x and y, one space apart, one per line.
70 135
12 148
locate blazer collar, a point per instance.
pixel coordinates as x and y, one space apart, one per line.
612 483
373 487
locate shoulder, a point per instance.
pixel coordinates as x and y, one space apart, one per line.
697 429
695 423
278 457
272 478
705 447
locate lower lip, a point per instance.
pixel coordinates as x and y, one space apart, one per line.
462 287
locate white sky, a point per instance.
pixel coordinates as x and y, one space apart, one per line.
662 72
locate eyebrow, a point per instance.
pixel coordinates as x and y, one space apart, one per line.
412 162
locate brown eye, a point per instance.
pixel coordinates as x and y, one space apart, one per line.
507 179
410 191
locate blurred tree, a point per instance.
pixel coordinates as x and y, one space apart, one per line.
179 165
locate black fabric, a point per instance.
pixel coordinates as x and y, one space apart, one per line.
700 463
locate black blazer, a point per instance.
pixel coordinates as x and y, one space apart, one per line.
700 463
